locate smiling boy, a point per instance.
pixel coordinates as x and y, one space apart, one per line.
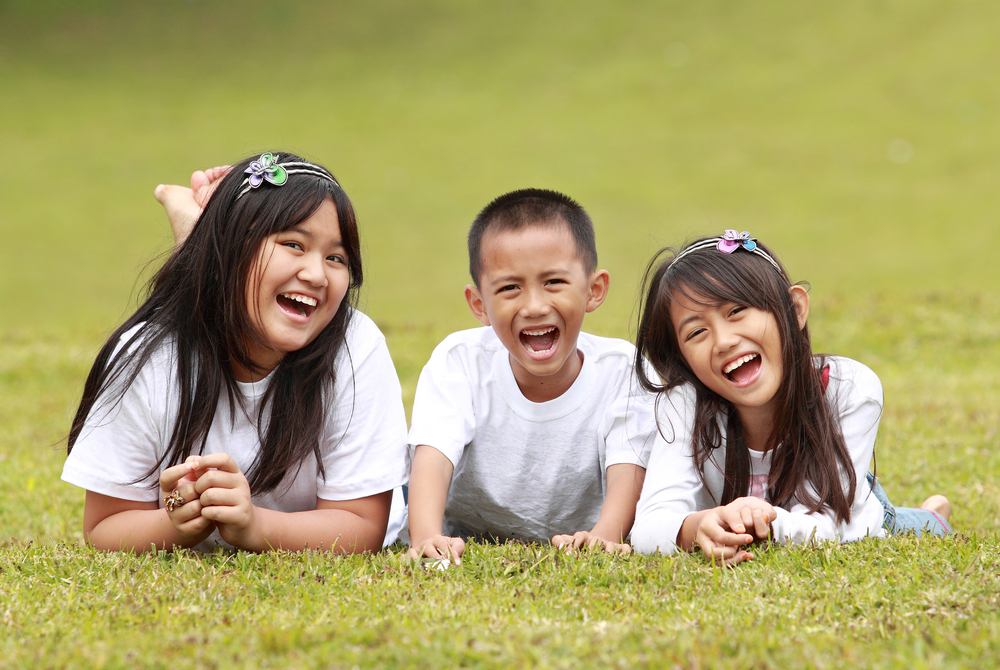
528 429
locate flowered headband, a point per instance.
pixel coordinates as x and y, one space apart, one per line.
266 168
728 243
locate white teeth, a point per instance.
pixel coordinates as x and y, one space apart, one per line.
536 333
738 362
304 299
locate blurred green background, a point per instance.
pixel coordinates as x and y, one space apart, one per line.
858 139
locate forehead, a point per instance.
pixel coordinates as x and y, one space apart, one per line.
547 246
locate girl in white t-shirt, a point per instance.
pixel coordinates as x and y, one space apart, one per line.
758 437
246 403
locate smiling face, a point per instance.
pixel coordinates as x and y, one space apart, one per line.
732 349
736 351
296 286
533 291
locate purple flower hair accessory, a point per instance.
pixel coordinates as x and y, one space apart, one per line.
266 167
732 240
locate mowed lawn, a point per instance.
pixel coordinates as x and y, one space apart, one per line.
858 139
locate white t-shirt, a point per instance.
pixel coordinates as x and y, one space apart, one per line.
363 443
673 490
526 470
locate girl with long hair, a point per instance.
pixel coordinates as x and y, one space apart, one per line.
246 403
759 437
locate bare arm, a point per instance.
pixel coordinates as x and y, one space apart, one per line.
342 526
345 526
617 512
430 479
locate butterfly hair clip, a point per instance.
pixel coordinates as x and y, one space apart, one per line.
266 167
733 240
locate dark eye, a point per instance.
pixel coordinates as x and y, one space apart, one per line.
556 281
694 333
336 258
293 245
736 310
508 287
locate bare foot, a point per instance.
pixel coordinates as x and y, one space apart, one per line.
185 205
938 504
203 183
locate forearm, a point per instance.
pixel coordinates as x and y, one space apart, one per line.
140 531
337 530
618 511
689 530
430 480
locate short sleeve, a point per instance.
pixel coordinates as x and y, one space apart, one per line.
672 485
122 440
364 450
631 420
443 414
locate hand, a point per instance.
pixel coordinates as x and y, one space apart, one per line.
225 500
750 515
186 518
185 205
569 543
715 537
439 546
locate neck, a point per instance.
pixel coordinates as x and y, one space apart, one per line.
757 423
550 387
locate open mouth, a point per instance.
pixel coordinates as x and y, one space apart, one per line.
541 340
296 304
743 369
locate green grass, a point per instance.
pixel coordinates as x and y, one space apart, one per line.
666 120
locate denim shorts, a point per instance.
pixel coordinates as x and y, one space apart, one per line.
899 520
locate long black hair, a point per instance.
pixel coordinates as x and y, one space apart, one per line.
814 460
197 304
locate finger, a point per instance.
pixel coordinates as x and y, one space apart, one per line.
218 479
739 558
617 547
221 496
172 475
219 461
733 519
746 516
564 542
456 547
425 550
760 525
185 513
719 535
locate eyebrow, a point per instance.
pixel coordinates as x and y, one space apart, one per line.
693 317
508 279
309 236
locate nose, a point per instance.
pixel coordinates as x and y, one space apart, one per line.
313 270
535 304
726 338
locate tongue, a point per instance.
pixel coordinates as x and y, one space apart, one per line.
745 371
292 305
540 342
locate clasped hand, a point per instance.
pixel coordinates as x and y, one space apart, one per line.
216 495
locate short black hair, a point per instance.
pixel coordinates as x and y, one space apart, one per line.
532 207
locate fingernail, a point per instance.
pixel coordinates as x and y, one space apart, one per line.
741 529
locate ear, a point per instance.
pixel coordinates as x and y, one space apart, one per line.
800 300
476 305
600 281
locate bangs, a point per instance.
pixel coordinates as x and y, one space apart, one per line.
710 278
